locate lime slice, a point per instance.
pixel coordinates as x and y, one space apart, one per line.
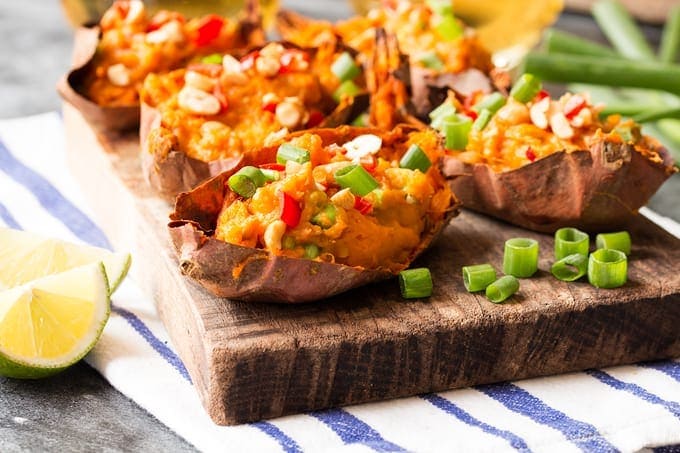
25 257
52 322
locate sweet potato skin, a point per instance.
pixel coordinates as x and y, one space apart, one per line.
253 274
600 189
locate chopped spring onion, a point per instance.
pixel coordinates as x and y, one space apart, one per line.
415 159
288 152
492 102
441 7
356 179
617 241
325 218
571 267
345 68
346 89
214 58
526 88
482 120
520 257
502 288
456 132
415 283
311 251
569 241
432 61
361 120
478 277
270 175
443 109
246 181
449 28
607 268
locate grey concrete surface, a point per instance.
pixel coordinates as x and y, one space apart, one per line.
78 410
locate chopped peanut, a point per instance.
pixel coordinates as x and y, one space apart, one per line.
118 75
273 234
198 102
199 81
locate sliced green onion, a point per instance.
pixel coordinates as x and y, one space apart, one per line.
246 181
270 175
617 241
569 241
520 257
571 267
432 61
478 277
439 121
415 159
346 88
345 68
325 218
502 288
361 120
356 179
288 242
415 283
526 88
482 120
441 7
311 251
214 58
607 268
288 152
449 28
443 109
456 132
492 102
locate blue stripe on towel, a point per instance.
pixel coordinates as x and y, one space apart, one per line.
450 408
8 218
52 200
84 228
519 400
354 431
667 367
634 389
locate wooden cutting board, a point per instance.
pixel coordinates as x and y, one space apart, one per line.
252 361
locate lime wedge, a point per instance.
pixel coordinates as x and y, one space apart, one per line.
50 323
25 257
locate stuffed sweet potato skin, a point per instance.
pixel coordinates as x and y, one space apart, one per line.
594 190
254 274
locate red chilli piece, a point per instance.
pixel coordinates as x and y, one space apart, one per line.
574 105
470 114
248 61
541 95
531 155
219 94
272 166
369 163
291 210
362 205
470 100
162 17
315 118
209 29
270 107
291 60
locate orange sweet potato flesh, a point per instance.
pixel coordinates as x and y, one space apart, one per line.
256 274
596 189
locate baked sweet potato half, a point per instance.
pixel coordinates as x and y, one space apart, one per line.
112 59
545 164
208 117
325 211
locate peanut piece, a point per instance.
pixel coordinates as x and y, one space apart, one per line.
198 102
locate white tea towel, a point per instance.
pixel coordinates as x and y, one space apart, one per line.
622 408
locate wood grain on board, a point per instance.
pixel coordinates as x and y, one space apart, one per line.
252 361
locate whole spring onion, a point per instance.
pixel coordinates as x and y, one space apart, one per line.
656 114
557 41
431 60
415 159
569 241
288 152
492 102
345 68
669 49
246 181
478 277
346 89
617 241
607 268
619 27
526 88
520 257
415 283
502 288
482 120
456 132
571 267
356 179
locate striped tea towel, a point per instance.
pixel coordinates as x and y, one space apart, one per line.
624 408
